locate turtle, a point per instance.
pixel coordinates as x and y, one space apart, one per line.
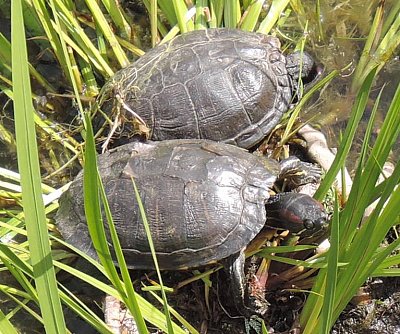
221 84
205 202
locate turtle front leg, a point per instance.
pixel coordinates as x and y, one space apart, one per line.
294 172
235 268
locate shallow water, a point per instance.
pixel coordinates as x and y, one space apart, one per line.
342 30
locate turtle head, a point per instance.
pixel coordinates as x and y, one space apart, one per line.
301 64
299 213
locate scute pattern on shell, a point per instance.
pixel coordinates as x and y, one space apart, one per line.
204 201
220 84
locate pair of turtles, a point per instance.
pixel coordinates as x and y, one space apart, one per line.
205 199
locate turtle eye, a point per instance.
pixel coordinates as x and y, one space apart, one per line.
321 222
309 224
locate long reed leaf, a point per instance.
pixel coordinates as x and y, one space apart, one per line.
356 114
153 253
232 13
5 325
275 11
331 274
361 258
92 184
108 33
28 162
251 15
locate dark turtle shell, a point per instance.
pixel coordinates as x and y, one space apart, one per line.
221 84
204 201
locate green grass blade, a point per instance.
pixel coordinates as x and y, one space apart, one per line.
22 304
311 311
353 211
361 266
180 12
22 272
28 162
43 15
294 262
92 205
216 11
392 16
127 292
232 13
331 275
150 313
153 22
114 9
362 258
96 228
182 320
356 114
252 15
366 54
84 312
382 41
77 36
6 254
391 261
5 325
167 10
201 20
22 279
263 328
5 64
294 114
64 51
153 253
365 181
92 185
275 11
108 33
369 130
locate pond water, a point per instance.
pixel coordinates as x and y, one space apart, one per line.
337 44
